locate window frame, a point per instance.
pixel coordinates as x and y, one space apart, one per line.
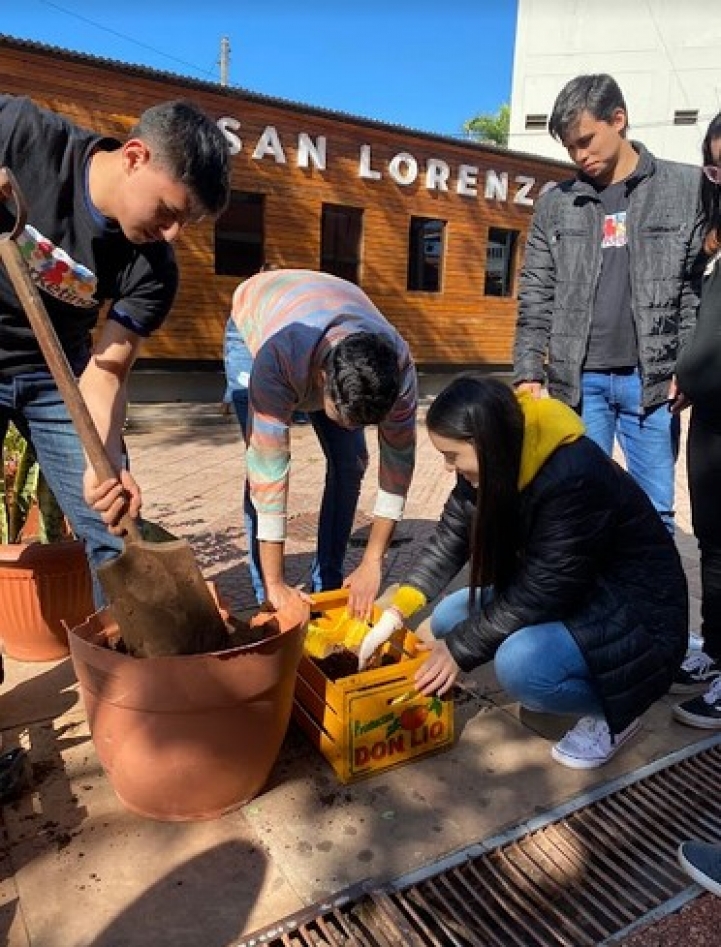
419 261
232 256
509 247
346 265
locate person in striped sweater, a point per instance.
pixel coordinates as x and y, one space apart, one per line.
310 341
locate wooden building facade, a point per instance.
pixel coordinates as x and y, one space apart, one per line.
432 228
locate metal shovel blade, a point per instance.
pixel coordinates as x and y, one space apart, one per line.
160 600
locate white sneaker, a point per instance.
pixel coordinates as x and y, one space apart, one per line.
589 744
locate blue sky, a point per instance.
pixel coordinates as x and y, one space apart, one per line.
430 65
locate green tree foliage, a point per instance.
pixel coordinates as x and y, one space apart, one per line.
492 129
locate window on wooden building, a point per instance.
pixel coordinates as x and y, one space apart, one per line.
500 261
239 235
341 230
425 254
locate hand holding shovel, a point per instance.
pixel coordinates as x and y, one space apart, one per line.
156 591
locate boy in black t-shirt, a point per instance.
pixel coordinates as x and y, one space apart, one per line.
101 217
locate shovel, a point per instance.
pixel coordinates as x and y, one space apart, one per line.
156 591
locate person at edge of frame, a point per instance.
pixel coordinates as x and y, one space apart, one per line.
699 378
101 217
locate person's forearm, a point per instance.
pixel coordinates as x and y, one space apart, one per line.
381 533
272 556
105 395
104 385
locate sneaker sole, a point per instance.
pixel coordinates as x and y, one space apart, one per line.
692 688
698 876
693 720
574 762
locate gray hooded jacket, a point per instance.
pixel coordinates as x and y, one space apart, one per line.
563 263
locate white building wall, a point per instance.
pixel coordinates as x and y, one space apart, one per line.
664 54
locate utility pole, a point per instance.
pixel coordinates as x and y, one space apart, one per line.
224 60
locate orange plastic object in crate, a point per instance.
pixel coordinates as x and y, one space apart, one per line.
372 720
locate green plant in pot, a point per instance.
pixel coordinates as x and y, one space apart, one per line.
44 576
28 509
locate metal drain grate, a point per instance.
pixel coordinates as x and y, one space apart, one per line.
576 881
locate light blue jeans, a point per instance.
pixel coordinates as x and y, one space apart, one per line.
540 666
611 408
32 402
346 458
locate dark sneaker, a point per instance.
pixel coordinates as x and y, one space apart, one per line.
702 862
703 711
697 668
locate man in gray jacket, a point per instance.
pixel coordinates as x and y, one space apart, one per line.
608 290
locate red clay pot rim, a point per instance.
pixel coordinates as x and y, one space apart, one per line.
23 555
107 624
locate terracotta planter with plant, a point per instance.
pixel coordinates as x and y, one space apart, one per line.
45 583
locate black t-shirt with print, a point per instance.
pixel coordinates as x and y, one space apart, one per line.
612 339
78 259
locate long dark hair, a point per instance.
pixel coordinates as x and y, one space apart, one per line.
710 192
485 412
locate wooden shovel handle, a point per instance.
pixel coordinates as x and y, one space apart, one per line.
52 351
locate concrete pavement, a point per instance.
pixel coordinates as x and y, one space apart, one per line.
78 870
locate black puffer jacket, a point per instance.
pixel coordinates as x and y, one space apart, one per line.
594 554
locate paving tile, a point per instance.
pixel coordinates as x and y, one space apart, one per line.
34 692
85 866
329 835
12 923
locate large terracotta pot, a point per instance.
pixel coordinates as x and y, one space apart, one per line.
189 737
43 590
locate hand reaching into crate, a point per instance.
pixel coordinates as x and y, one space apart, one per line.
405 602
390 621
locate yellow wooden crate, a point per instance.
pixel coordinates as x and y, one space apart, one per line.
372 720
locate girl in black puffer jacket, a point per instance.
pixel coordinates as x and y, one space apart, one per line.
577 590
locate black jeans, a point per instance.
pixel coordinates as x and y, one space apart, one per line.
704 481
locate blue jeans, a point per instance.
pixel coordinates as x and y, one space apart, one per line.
238 363
346 458
540 666
611 407
32 402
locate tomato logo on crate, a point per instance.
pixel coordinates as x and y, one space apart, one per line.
398 735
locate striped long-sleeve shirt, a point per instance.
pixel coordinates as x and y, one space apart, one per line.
290 320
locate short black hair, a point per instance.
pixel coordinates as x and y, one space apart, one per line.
598 94
191 147
363 378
